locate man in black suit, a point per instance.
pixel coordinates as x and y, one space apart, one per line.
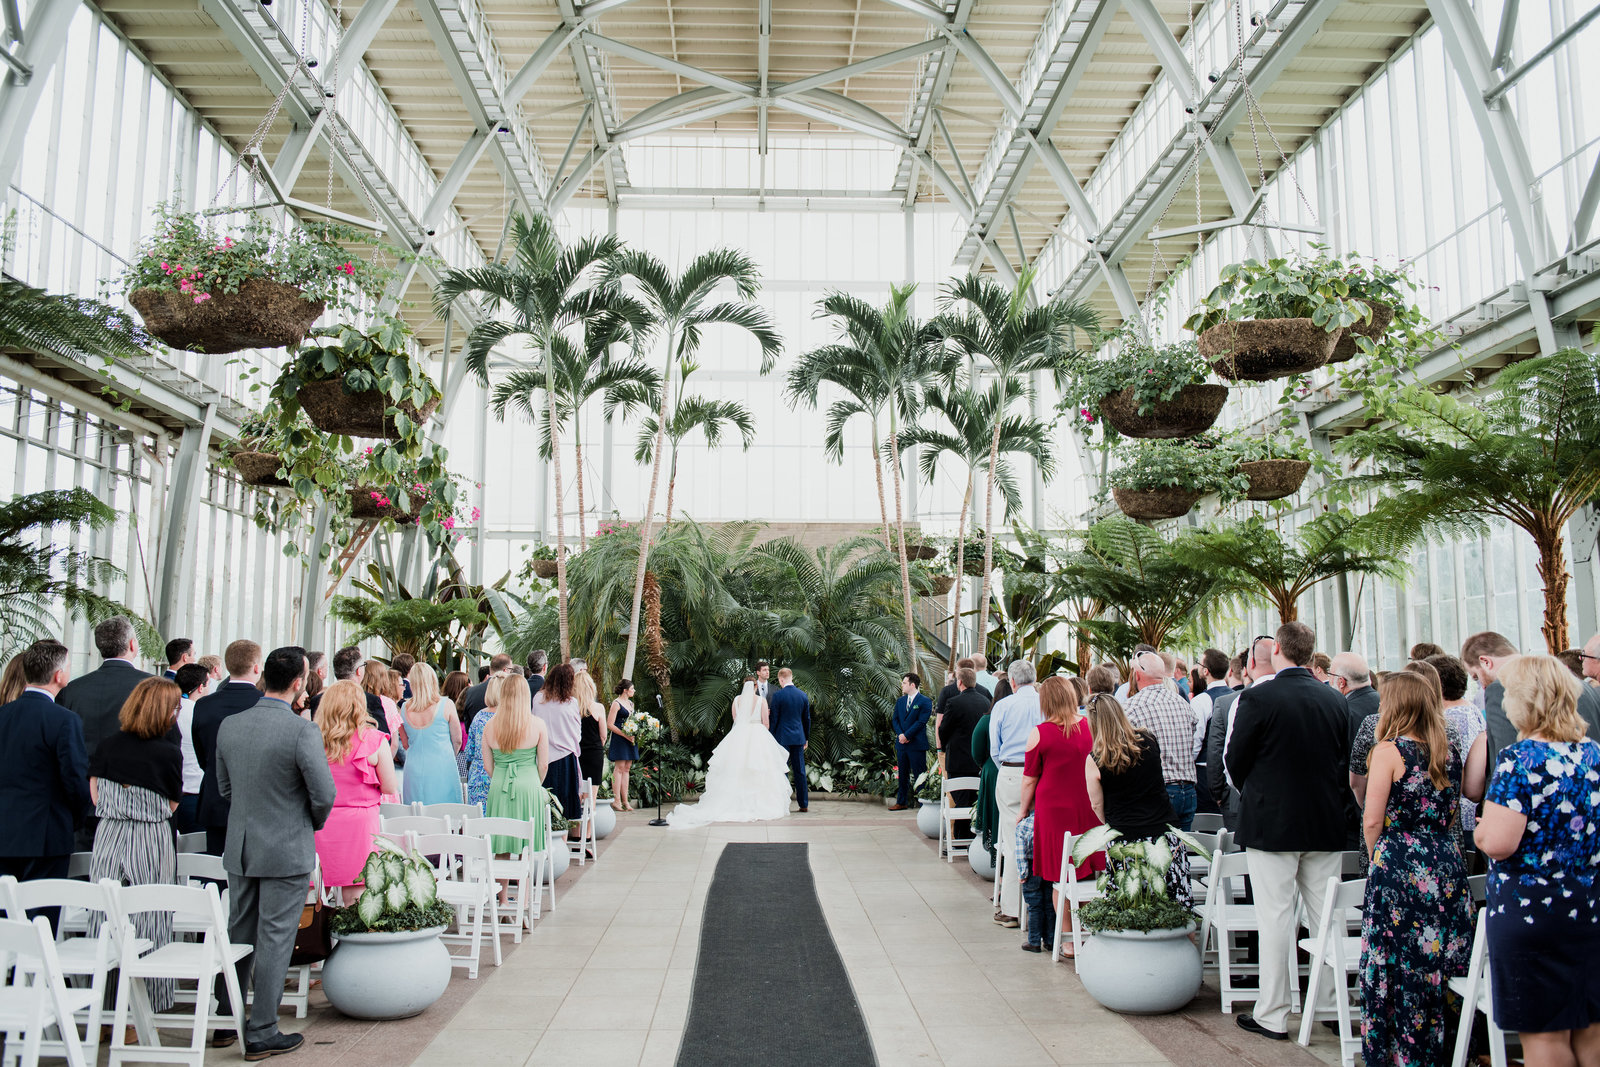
1352 677
950 690
1289 754
180 651
44 772
238 693
472 698
98 696
538 660
350 665
954 732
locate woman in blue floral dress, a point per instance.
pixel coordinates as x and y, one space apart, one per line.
477 777
1417 918
1541 831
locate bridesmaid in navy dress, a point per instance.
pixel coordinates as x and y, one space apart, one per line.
621 751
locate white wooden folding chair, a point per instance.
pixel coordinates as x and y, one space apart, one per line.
390 810
75 921
521 873
1069 894
35 996
1225 917
1335 957
554 839
950 814
199 961
456 813
195 842
418 824
198 868
466 883
999 870
297 992
582 846
1200 866
1475 997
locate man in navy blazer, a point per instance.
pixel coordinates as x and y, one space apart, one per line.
789 719
238 693
98 696
44 772
910 726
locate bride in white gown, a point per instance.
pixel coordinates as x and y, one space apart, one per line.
747 779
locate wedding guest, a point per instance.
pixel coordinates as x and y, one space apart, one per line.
472 699
986 679
14 681
538 663
1465 724
1054 786
1425 650
556 703
192 681
1036 892
962 713
1012 720
376 683
1540 829
239 693
516 754
477 773
98 696
363 771
1416 881
945 694
455 683
985 812
1157 708
1485 654
591 731
1103 678
213 664
909 725
430 737
1126 790
622 751
403 663
789 720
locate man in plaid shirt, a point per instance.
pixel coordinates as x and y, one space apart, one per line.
1036 892
1158 708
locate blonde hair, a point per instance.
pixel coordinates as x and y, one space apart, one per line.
424 686
1542 698
1410 702
1116 743
513 717
342 716
584 689
1058 700
491 692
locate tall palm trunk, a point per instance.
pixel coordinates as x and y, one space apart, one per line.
961 571
583 516
1552 566
900 529
561 526
649 515
988 532
672 484
877 472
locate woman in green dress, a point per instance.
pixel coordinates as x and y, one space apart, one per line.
985 813
516 753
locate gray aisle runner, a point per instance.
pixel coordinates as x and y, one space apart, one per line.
769 986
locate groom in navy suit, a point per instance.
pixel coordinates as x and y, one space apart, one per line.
910 726
789 718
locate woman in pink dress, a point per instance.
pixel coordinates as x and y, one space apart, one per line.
375 680
363 770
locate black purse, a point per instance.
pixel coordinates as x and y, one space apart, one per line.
313 941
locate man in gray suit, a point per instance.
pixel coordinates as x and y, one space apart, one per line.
271 766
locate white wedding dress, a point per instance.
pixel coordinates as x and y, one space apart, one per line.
747 779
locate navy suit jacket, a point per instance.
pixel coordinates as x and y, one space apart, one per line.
789 713
912 721
44 777
98 697
229 699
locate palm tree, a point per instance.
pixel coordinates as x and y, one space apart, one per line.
546 289
893 359
972 415
1280 570
683 307
582 372
1528 453
39 568
1016 337
711 417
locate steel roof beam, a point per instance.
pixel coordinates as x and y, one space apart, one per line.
930 93
863 66
552 46
763 76
603 115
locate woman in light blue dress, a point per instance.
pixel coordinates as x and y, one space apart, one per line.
430 736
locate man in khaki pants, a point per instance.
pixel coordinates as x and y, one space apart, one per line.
1011 721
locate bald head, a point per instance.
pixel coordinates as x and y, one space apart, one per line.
1591 660
1261 656
1349 672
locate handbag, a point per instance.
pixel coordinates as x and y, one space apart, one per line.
313 941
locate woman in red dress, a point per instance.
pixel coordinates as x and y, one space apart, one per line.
1054 786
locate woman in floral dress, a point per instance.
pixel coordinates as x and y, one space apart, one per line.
1417 919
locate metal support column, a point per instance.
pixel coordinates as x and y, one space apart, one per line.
908 456
1582 533
176 574
311 627
608 434
43 41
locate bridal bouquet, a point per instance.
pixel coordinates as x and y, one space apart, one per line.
642 727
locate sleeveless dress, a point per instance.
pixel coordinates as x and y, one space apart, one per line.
1417 919
591 748
345 840
431 775
516 793
133 845
621 748
1061 800
747 779
477 777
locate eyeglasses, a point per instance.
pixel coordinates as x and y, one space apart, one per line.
1585 655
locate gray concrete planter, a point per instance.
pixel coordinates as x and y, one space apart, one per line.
605 819
978 858
387 976
1141 973
928 818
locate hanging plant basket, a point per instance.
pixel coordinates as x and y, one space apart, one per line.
262 314
972 567
1165 503
1191 411
1274 479
545 568
941 584
1346 349
364 506
259 468
921 552
1258 350
333 410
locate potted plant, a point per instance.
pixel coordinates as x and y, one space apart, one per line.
360 384
1145 390
1165 479
1274 466
388 962
917 548
928 787
1139 958
205 287
972 564
1274 319
941 573
542 561
258 454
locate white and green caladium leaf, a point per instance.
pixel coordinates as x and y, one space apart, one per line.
394 898
1158 855
1088 843
369 906
421 883
1131 885
385 845
1195 845
374 874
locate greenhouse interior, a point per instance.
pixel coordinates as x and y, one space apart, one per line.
1217 624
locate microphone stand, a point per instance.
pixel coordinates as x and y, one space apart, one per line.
661 706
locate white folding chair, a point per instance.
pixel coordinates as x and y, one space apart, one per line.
418 824
1207 822
1224 917
582 846
391 810
75 921
1069 894
1475 997
456 813
196 961
521 873
297 993
1200 866
1336 956
195 842
949 815
466 883
554 839
198 868
35 994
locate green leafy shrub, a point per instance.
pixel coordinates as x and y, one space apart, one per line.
1247 448
401 893
1316 289
1196 464
1155 373
929 785
365 362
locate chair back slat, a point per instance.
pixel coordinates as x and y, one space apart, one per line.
418 824
952 785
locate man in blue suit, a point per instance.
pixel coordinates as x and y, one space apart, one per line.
910 726
44 772
789 718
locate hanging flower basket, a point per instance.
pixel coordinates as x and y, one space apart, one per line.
333 410
262 314
1191 411
921 552
369 503
941 584
545 568
259 468
1165 503
1346 349
1274 479
1258 350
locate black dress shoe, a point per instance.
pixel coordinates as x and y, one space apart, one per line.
276 1045
1247 1022
1032 948
223 1038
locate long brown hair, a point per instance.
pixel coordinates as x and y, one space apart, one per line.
1116 742
14 681
1409 703
151 708
558 684
375 677
1058 700
342 717
455 683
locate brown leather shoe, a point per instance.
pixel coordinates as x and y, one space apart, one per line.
899 807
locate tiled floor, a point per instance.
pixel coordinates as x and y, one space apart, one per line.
606 978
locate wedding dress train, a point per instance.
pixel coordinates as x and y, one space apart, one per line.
747 779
